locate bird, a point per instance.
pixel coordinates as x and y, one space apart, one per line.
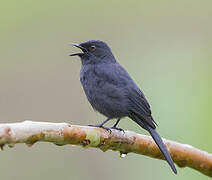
112 92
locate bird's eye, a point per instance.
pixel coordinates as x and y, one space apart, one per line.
92 48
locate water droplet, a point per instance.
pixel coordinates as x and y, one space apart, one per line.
122 155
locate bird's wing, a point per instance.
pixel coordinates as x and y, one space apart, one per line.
138 103
140 106
119 78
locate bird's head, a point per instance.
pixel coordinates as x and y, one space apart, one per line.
94 51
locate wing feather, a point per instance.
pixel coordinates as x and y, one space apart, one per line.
140 106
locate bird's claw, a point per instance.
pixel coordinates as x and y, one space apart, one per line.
119 129
100 126
107 129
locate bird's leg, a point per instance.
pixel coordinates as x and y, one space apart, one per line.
101 125
114 126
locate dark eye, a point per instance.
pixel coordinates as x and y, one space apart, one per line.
92 48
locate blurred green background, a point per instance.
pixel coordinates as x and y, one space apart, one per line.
164 45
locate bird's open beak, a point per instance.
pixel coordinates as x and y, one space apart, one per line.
78 46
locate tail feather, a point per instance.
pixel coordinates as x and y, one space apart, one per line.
157 140
162 148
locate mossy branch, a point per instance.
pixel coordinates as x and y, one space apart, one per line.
30 132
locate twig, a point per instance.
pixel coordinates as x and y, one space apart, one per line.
30 132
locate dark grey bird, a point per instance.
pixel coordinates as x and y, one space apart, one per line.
112 92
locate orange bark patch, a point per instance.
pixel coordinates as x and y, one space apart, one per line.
74 135
6 133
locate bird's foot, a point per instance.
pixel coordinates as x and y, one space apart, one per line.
100 126
119 129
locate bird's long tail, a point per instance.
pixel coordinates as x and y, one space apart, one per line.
158 141
162 147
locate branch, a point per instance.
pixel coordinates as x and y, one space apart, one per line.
30 132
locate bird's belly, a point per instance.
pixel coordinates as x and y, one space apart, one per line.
109 109
105 99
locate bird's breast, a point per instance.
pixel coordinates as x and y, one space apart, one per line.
92 84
